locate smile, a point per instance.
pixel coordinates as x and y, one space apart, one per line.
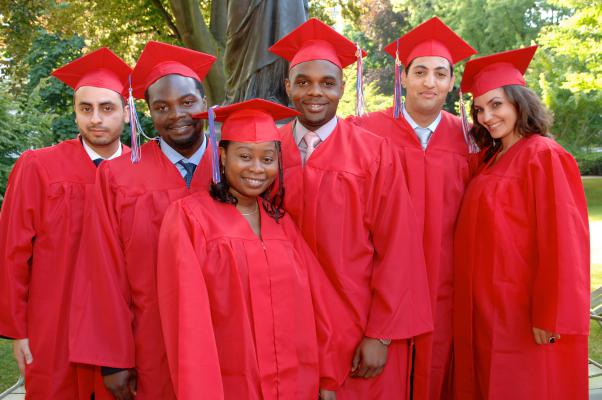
180 128
494 125
315 106
253 182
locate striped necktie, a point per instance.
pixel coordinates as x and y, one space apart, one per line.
190 168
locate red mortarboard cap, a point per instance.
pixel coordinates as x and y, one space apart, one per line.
431 38
160 59
501 69
100 68
250 121
314 40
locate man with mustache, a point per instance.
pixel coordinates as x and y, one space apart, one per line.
345 190
434 153
119 238
40 230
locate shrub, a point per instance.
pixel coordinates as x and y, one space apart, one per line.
590 163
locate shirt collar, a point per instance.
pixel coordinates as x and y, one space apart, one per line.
94 155
323 132
176 157
414 125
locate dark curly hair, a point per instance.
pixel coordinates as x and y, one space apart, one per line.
533 119
271 200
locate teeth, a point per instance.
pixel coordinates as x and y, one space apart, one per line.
315 106
254 181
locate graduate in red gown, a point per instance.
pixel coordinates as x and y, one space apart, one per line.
347 193
431 145
40 230
521 248
233 274
116 322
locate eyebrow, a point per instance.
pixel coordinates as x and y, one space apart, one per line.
179 98
494 98
436 68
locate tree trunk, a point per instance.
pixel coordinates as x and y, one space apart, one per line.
195 34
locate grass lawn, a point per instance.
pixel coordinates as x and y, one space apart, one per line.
9 373
593 192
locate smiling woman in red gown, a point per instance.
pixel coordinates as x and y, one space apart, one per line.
521 248
234 275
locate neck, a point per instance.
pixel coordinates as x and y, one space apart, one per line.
105 151
509 141
188 151
245 202
422 118
312 127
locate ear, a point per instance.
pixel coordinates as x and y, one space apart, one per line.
404 78
204 104
451 83
287 87
126 114
222 156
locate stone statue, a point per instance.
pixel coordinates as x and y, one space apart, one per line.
253 26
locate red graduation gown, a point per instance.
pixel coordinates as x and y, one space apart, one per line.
236 310
40 229
117 323
522 261
436 179
352 206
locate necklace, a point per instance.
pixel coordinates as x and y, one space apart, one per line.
250 213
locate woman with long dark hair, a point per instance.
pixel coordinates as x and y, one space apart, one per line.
521 248
238 316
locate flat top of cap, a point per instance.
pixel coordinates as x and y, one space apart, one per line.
99 68
431 38
161 59
316 41
519 59
253 107
250 121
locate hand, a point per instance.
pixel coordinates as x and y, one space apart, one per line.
369 359
327 395
122 384
544 337
22 353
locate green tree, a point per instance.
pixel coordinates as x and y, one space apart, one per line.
568 74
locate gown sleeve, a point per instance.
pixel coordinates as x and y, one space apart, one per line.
333 324
401 306
560 300
185 310
19 221
101 323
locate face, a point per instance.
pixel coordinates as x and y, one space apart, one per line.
315 88
427 83
100 115
497 114
172 101
250 168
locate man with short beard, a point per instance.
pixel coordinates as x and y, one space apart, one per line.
434 153
345 190
40 230
119 238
